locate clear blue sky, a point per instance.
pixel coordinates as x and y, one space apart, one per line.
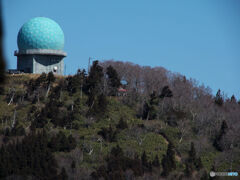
199 39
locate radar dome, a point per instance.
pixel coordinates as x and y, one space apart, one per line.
40 33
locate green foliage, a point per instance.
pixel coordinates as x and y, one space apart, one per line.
114 80
122 124
117 164
168 161
208 159
38 161
108 134
156 161
192 162
150 108
103 124
62 143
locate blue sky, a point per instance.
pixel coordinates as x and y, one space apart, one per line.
199 39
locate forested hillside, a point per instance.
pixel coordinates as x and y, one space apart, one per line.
119 121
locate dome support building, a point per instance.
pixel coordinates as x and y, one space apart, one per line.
40 43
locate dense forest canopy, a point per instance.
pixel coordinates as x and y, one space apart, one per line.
162 125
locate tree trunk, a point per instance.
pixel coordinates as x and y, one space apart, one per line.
11 100
49 86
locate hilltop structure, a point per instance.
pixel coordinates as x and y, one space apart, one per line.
40 47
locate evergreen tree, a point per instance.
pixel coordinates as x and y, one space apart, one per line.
73 165
166 92
192 154
114 80
94 80
233 99
31 156
94 87
166 166
77 82
41 80
122 124
219 99
150 108
72 142
117 151
144 159
199 164
156 161
50 78
168 161
63 175
188 169
102 105
223 131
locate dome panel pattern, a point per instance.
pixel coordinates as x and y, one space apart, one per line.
40 33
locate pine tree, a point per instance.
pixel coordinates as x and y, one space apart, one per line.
144 159
94 79
72 142
219 99
50 78
150 107
73 165
117 151
168 161
63 175
188 169
166 166
94 86
192 154
223 131
122 124
166 92
156 161
233 99
102 105
199 164
114 80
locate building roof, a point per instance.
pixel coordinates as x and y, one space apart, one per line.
40 33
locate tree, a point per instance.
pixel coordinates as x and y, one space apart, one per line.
150 108
73 165
31 156
63 175
156 161
218 139
94 84
192 154
233 99
72 142
144 159
191 161
94 80
168 161
113 80
219 99
199 164
122 124
166 92
50 78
